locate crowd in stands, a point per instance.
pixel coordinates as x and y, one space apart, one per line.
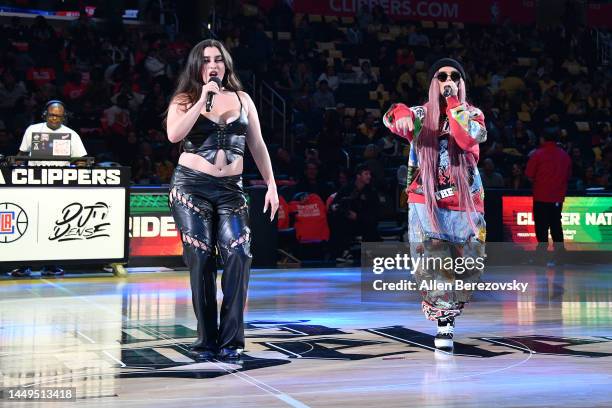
115 84
338 75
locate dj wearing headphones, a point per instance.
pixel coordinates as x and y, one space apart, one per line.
54 115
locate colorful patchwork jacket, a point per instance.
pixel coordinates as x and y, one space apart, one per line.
465 124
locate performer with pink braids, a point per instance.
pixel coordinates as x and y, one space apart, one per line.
445 193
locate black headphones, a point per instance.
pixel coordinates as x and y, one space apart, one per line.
45 112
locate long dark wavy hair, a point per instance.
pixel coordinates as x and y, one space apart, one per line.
190 82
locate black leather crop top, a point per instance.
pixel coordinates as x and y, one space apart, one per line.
207 137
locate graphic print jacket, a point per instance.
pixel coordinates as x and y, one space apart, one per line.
465 124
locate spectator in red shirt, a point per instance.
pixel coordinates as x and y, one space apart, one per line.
549 169
117 118
74 88
39 76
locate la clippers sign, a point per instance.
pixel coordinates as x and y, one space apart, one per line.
63 214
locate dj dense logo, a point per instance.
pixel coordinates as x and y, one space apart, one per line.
13 222
79 222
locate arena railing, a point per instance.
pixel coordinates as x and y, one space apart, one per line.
273 111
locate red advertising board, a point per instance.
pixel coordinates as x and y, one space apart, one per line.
518 220
154 235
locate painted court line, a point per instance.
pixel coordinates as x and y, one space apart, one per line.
244 377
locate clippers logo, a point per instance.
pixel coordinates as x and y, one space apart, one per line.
13 222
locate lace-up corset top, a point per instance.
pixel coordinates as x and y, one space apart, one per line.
206 137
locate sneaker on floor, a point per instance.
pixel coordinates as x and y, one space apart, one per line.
52 270
444 336
21 272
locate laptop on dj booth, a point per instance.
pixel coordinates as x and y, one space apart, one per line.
51 145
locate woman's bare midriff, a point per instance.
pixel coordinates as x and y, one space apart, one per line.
219 169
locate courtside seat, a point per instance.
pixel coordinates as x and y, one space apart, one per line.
287 243
391 231
287 192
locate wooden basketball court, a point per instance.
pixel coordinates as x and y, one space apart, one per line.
312 342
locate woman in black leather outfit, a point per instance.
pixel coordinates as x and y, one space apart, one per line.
207 199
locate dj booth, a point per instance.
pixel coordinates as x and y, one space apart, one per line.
63 215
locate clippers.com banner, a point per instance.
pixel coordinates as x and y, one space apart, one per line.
599 14
466 11
584 219
47 224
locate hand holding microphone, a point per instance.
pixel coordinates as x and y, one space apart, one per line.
212 87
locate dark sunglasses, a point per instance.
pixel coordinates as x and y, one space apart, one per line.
443 76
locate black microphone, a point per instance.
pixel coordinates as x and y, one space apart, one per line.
210 96
447 91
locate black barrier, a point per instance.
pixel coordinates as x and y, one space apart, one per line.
264 241
493 213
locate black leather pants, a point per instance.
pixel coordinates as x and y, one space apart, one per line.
212 212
